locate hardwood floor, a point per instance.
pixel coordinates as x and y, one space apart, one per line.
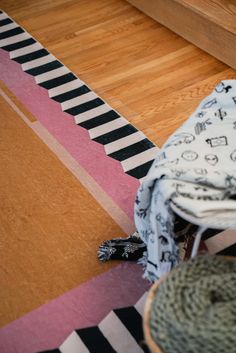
148 73
210 25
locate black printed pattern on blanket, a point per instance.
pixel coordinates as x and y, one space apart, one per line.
194 176
131 248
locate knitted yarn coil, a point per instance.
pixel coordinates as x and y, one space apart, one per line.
194 309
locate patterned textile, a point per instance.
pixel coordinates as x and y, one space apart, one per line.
123 322
131 248
121 140
194 176
119 332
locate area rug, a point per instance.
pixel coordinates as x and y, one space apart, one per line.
104 151
109 157
124 322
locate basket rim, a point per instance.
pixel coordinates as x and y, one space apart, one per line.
153 346
146 317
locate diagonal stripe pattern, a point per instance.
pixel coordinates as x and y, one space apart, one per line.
120 331
121 141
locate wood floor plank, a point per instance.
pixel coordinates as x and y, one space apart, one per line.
131 60
145 71
208 24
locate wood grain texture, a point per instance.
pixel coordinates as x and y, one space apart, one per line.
150 74
50 225
211 25
221 12
145 71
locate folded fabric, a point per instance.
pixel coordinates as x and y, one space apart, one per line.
193 176
131 248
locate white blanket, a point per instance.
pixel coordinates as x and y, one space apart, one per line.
194 176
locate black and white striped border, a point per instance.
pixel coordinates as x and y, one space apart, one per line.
120 332
121 140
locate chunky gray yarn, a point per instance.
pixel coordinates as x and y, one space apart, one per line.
195 308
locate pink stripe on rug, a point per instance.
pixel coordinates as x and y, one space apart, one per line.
49 325
88 182
107 172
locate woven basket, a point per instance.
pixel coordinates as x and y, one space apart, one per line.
146 318
152 345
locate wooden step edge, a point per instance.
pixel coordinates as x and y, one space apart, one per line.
194 26
216 11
